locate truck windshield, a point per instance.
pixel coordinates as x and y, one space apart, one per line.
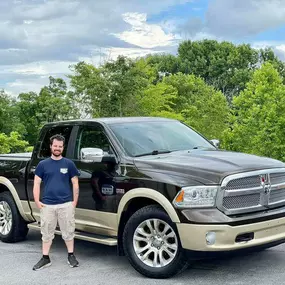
139 138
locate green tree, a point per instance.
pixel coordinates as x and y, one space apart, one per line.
158 100
12 143
201 106
55 102
126 80
257 121
111 90
223 65
9 120
27 110
267 55
91 89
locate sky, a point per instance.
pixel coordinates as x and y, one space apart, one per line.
39 38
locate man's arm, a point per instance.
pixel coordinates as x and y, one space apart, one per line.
36 191
75 187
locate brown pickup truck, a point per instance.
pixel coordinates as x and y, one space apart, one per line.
156 189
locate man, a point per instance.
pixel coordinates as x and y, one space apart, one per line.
58 203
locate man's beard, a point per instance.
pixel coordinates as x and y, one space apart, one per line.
56 153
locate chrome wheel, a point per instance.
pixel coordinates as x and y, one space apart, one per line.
155 243
5 218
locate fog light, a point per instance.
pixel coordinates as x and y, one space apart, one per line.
210 238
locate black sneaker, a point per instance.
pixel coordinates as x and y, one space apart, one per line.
43 263
72 261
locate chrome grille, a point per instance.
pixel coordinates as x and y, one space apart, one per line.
244 183
277 178
243 201
277 196
252 191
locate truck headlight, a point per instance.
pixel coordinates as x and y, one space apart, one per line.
196 197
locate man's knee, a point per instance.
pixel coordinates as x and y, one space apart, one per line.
48 224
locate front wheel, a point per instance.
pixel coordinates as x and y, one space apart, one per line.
12 226
152 244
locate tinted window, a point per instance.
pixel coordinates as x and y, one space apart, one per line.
92 137
45 147
143 137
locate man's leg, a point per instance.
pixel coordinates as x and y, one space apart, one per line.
48 225
70 245
66 222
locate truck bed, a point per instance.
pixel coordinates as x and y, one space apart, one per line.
23 155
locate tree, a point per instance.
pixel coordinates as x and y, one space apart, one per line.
55 102
126 81
91 89
27 110
223 65
111 90
202 107
257 121
9 120
158 100
267 55
12 143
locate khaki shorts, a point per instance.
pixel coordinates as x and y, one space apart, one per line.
63 214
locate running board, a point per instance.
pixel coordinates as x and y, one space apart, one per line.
111 241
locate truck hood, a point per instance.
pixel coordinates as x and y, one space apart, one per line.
205 166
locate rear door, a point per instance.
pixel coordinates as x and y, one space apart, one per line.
41 152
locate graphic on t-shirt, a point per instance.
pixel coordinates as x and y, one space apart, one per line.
64 170
107 189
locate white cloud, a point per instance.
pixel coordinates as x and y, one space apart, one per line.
25 85
237 18
43 37
38 68
143 34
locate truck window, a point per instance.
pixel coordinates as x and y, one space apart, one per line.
45 147
92 137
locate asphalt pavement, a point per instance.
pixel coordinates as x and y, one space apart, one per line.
100 264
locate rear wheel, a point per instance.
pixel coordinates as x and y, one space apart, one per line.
152 244
13 228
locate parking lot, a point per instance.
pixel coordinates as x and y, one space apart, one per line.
100 265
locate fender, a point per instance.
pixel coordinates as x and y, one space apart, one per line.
148 193
6 182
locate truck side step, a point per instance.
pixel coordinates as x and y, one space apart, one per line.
111 241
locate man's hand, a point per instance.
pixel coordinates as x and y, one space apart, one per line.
39 204
74 204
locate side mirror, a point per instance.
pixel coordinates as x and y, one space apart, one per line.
90 154
215 143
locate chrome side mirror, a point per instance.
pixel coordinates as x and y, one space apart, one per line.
215 143
90 154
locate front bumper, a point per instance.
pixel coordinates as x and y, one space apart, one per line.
193 236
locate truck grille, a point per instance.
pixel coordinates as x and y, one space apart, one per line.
252 191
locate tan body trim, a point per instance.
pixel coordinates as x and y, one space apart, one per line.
6 182
151 194
90 221
193 236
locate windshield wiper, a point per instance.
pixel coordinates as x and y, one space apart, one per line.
154 152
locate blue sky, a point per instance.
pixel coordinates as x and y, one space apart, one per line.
40 38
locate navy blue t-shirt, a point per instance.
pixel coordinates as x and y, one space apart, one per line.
56 176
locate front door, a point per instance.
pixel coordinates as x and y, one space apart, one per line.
98 196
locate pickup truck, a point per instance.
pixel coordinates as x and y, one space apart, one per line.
154 188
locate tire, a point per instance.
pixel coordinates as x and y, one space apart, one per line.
17 229
158 263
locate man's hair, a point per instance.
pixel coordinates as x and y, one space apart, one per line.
58 138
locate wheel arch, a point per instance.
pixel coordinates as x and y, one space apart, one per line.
136 199
147 193
7 186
